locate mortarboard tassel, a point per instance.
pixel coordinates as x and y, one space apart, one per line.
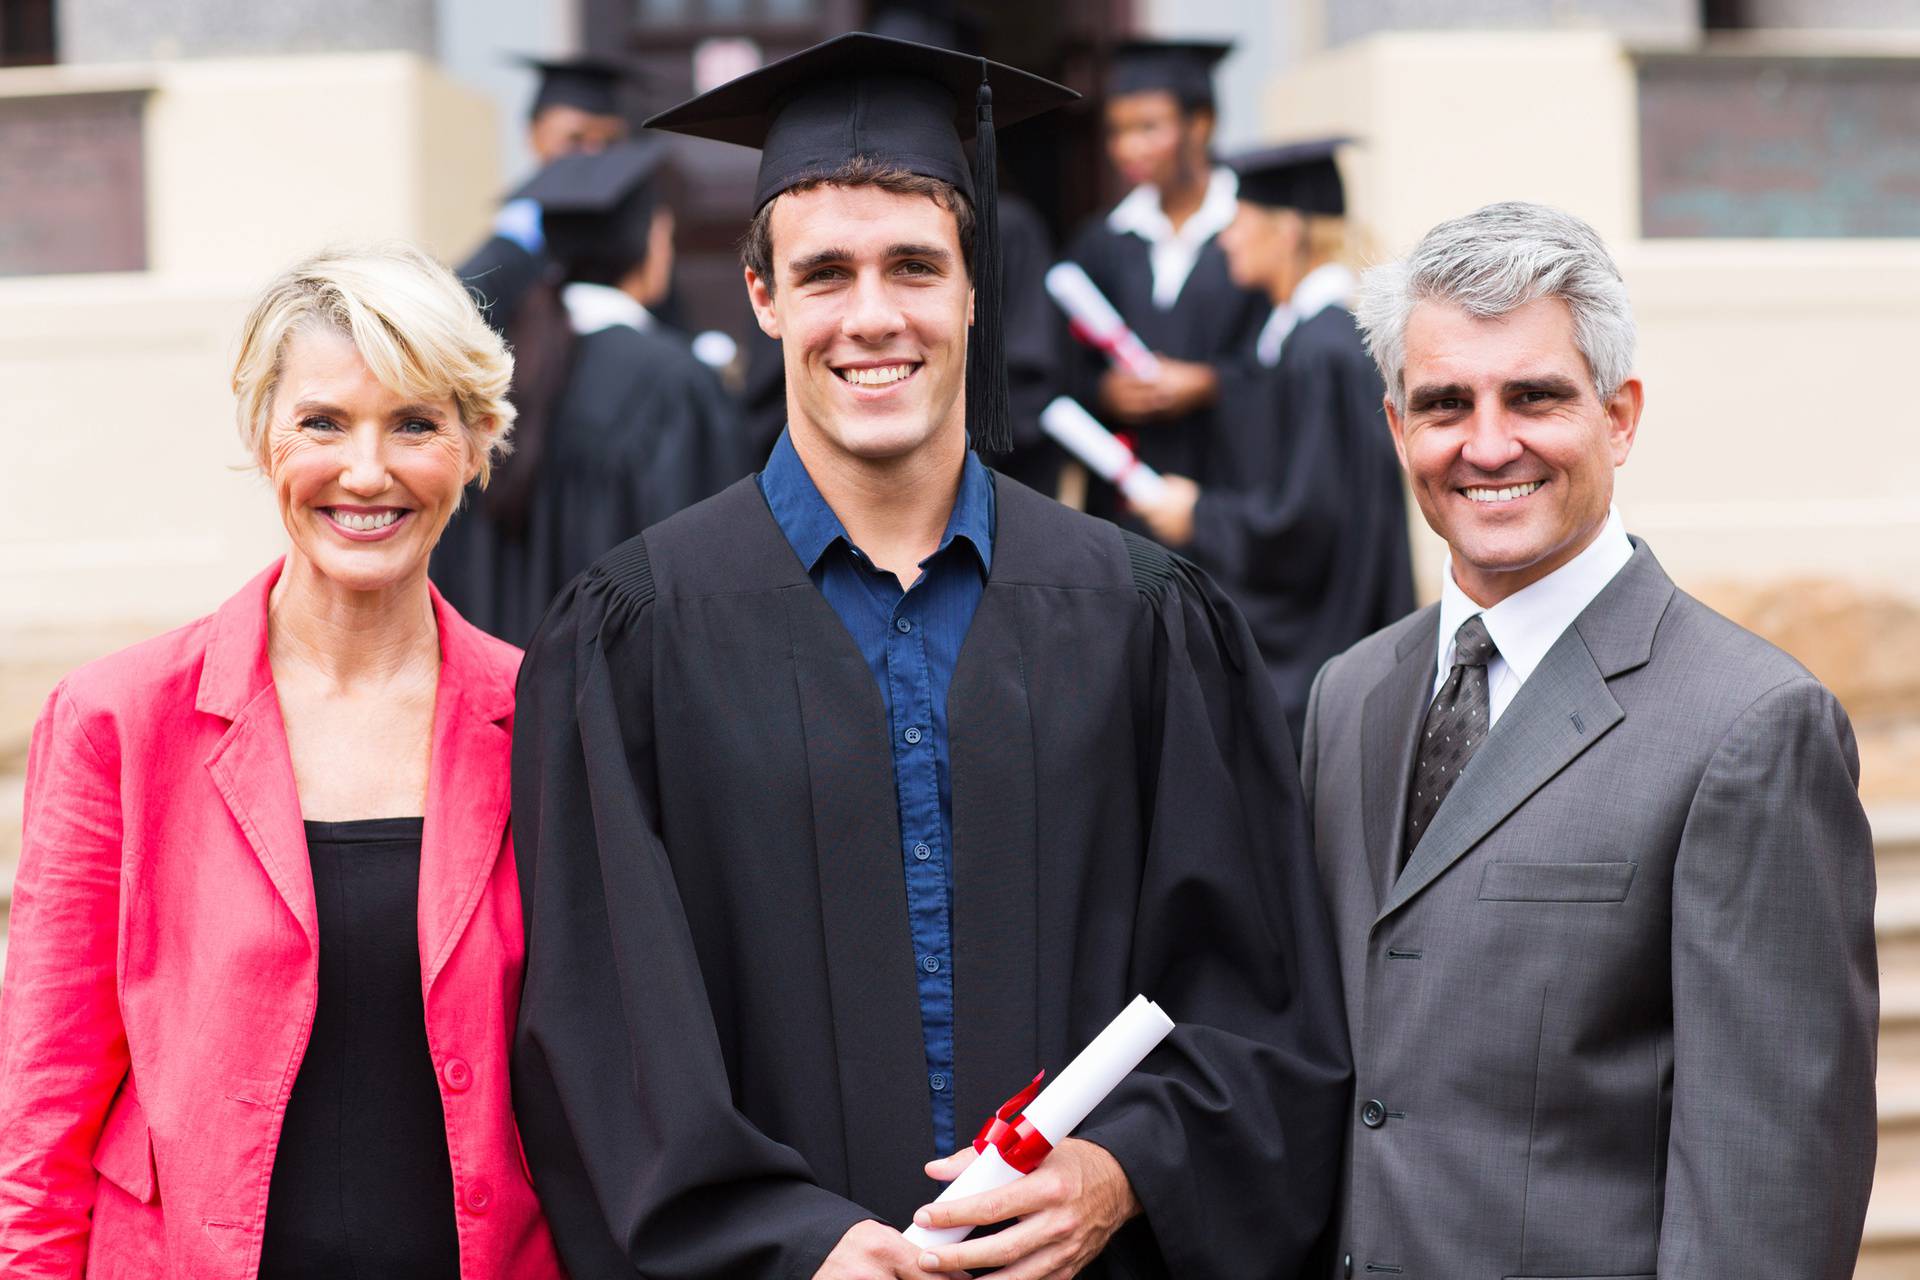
987 352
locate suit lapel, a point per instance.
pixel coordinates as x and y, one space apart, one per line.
1562 709
1389 731
863 897
253 771
995 858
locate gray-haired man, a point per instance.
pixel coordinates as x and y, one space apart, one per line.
1600 880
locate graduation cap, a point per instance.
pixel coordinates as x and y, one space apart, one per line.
894 102
1183 68
588 84
597 208
1300 175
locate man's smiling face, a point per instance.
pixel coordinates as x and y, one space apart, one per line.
870 301
1508 446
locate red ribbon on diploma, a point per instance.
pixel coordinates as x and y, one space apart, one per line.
1021 1145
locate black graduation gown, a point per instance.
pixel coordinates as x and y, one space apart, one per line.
642 429
1213 321
719 1067
1302 514
1033 342
498 275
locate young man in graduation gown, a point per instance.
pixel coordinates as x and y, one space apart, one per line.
848 798
620 425
1157 259
576 108
1301 511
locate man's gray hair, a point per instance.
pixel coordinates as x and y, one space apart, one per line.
1489 264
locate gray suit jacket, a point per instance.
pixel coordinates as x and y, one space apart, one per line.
1616 1017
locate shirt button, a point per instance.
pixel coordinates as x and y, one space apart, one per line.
479 1197
457 1074
930 963
922 852
902 625
939 1083
912 735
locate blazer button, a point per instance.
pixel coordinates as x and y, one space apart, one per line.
1374 1113
1346 1265
457 1074
479 1197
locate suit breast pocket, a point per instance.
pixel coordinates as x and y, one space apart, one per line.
1556 881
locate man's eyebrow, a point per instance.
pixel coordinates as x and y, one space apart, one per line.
814 261
1552 383
929 252
1438 391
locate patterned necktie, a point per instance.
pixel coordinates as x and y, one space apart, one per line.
1456 726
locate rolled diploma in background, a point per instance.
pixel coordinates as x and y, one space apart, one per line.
1097 321
1081 435
1062 1105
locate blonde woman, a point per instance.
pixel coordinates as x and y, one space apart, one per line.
266 938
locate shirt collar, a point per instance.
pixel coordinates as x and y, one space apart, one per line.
1324 286
811 526
1526 624
593 307
1139 212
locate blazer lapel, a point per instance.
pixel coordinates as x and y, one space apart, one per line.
251 767
863 895
995 861
467 798
1562 709
1389 731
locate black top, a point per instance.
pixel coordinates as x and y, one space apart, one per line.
362 1186
719 1065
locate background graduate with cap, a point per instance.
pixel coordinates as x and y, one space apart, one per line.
576 108
620 426
1301 511
849 797
1155 257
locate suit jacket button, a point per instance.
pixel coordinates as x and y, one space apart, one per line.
1374 1113
1346 1265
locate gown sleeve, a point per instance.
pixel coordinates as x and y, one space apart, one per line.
1230 1133
642 1162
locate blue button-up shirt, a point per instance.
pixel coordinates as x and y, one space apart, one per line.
911 640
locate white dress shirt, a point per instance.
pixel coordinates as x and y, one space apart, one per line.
593 307
1172 252
1320 288
1527 623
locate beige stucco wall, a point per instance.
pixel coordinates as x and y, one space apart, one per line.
1773 445
120 500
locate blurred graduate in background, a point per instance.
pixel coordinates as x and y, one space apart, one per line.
576 108
1300 510
1156 257
620 425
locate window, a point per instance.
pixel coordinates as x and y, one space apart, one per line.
26 32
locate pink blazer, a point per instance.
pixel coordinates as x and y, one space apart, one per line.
162 973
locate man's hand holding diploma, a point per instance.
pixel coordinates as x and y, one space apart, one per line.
1068 1209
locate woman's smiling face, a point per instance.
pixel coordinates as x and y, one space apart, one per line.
365 476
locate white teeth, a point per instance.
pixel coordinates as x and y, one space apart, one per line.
364 523
877 377
1503 495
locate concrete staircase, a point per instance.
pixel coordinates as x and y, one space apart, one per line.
1891 1250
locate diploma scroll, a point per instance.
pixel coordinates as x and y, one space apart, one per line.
1035 1120
1109 457
1096 323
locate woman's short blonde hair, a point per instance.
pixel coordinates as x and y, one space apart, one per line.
411 320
